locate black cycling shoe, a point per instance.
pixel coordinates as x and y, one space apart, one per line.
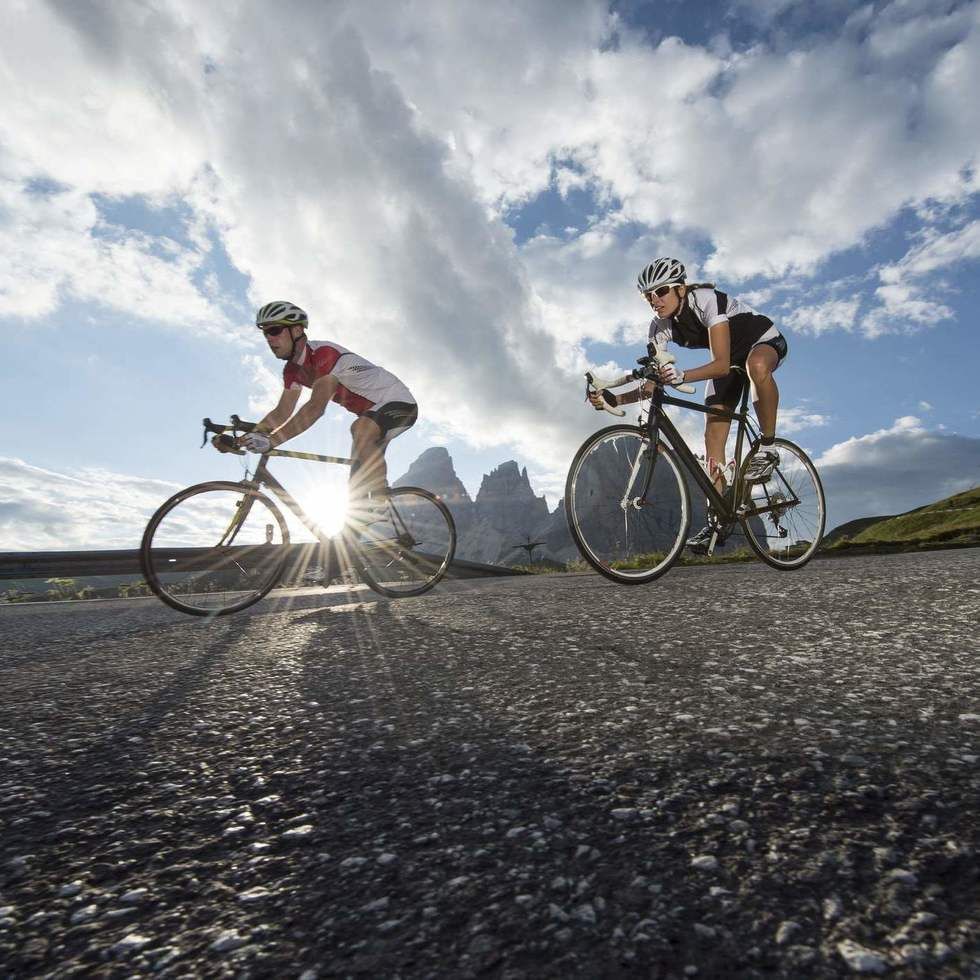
701 542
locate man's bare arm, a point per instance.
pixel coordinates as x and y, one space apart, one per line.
282 411
323 390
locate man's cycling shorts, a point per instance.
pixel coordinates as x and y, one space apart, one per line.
394 418
727 391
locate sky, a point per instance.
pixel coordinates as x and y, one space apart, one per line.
466 199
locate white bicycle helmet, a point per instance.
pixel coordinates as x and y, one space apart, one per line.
661 272
280 311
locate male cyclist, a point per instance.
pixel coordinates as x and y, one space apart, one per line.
383 405
700 316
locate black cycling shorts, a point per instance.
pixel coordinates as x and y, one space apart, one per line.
394 418
727 391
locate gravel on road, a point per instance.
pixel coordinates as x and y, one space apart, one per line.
731 772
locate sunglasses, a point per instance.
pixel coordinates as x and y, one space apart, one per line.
660 292
274 331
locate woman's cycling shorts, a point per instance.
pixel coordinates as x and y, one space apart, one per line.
727 391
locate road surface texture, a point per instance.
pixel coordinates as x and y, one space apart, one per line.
733 772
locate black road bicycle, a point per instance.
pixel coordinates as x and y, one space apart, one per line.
218 547
629 506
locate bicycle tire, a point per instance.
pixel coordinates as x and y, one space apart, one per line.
176 571
808 517
591 508
418 518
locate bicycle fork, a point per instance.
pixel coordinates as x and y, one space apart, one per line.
635 503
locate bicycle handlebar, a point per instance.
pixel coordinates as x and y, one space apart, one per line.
598 385
648 371
237 425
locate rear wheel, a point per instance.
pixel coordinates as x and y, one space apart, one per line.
409 551
784 517
623 534
214 549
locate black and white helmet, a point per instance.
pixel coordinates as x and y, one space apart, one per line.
280 311
661 272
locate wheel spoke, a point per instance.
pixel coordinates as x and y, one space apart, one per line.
392 558
785 516
184 567
628 525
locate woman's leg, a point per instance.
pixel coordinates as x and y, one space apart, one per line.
715 437
760 364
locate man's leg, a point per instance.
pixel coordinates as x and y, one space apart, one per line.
761 362
368 472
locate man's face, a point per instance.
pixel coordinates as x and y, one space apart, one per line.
280 338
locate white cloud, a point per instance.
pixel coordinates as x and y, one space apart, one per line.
266 387
797 419
92 109
586 285
834 314
339 197
895 469
56 247
364 174
86 509
92 509
756 150
911 288
934 252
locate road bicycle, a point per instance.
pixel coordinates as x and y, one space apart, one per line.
218 547
628 504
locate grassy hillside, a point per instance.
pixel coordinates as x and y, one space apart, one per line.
851 529
954 521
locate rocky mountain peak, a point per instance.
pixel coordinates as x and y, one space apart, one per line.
505 513
434 471
507 479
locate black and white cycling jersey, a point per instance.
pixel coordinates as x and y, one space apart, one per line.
705 307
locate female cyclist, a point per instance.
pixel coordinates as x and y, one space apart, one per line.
700 316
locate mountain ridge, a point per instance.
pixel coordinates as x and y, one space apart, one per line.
507 513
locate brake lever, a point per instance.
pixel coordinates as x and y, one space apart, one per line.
590 383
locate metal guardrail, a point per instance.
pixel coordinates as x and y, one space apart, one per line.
84 564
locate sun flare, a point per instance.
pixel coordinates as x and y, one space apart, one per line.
328 507
323 498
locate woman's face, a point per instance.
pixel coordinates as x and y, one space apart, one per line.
667 304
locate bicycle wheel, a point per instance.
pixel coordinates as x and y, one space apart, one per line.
214 548
627 538
409 551
784 517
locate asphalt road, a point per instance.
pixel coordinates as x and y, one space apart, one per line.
732 772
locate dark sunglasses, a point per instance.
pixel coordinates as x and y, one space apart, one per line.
661 291
274 331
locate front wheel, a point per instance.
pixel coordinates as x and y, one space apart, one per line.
784 516
628 527
409 550
214 548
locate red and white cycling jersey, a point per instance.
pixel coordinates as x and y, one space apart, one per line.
363 385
